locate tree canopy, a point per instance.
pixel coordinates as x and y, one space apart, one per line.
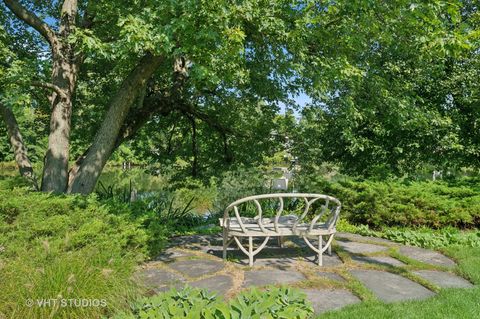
199 84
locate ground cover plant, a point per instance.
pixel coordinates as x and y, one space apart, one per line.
421 237
271 303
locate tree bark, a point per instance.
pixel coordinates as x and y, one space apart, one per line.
85 177
55 169
19 148
64 75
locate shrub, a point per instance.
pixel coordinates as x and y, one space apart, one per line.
395 203
195 303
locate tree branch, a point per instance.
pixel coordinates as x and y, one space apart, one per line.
50 86
32 20
158 103
107 135
211 121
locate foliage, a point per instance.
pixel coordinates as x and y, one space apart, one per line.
240 183
273 303
434 239
236 64
396 203
421 237
391 89
187 303
195 303
65 247
145 183
400 95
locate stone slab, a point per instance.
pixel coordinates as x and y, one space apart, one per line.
327 260
195 242
331 276
288 262
197 267
154 277
281 258
219 284
171 254
360 248
271 277
443 279
378 260
294 241
356 237
390 287
330 299
279 263
427 256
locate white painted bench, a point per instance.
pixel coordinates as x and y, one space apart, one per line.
310 224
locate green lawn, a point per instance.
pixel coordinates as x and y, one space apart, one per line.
449 303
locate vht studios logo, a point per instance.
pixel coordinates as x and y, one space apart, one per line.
64 302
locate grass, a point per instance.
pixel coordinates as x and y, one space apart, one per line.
65 247
448 303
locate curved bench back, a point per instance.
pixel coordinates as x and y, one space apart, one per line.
329 211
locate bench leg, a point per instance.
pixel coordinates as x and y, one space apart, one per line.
250 251
280 241
320 242
225 243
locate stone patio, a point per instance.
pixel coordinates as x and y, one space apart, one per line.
391 272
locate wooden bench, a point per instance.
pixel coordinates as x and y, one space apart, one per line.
311 223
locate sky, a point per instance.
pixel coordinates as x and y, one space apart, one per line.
302 99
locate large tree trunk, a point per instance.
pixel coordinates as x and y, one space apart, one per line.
55 170
19 148
64 74
85 176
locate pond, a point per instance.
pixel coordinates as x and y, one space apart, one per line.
144 185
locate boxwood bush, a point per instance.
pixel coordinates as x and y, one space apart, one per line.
406 204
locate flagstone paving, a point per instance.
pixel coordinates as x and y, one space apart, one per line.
360 248
378 260
330 299
426 256
197 268
197 261
267 277
330 275
391 287
443 279
159 277
219 284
